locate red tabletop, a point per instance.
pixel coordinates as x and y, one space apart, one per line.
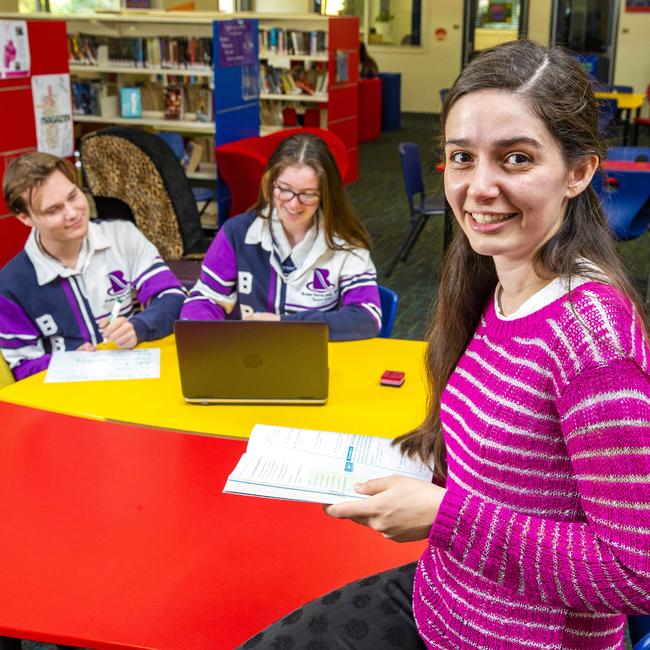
625 165
119 536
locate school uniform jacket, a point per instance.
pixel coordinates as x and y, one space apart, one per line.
46 307
242 274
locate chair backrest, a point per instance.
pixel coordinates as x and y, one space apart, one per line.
389 301
626 203
174 141
412 170
639 627
632 154
623 89
138 168
6 376
606 114
241 163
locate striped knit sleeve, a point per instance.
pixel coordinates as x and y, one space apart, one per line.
215 292
599 564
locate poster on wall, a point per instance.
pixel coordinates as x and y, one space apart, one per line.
53 113
637 6
236 43
14 47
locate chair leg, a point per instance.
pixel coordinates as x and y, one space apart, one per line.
202 210
393 263
415 233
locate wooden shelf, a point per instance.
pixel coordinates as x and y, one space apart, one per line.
202 176
294 57
265 129
320 98
122 69
163 125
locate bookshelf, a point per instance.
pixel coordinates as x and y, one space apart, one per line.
330 45
234 115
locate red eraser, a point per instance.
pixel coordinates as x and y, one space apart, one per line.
392 378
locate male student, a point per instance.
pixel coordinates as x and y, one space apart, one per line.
72 286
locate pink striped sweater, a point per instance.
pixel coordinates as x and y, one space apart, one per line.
543 538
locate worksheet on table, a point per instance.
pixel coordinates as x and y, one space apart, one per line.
103 365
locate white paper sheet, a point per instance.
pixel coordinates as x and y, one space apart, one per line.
104 365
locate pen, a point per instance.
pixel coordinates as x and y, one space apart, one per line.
116 311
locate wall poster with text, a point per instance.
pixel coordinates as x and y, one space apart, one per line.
637 6
53 113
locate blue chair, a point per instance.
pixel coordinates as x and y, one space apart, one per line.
389 300
626 202
639 631
175 142
631 154
421 206
608 109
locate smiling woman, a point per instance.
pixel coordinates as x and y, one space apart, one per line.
539 409
299 254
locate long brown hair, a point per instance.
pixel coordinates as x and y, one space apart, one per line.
560 94
338 216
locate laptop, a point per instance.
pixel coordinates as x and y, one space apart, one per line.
252 362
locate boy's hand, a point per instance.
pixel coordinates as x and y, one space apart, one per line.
120 331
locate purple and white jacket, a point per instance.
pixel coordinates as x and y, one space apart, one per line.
47 307
242 273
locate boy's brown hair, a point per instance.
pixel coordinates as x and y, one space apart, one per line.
27 173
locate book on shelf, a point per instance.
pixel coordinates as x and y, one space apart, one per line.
141 52
275 40
174 103
130 102
316 466
193 156
297 80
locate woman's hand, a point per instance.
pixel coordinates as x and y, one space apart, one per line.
400 508
120 331
262 315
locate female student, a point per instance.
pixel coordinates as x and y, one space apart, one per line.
299 254
538 523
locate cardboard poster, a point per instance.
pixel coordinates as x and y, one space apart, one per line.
53 114
14 48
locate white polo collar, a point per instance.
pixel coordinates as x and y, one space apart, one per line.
48 268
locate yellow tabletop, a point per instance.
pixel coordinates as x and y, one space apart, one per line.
626 101
357 402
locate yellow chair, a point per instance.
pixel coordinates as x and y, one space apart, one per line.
6 376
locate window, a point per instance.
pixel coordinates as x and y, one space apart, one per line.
382 22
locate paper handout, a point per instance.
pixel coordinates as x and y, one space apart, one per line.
104 365
317 466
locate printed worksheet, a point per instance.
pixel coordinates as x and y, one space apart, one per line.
317 466
104 365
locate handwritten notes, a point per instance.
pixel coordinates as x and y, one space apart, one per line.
104 365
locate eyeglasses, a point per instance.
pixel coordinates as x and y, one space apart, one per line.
285 194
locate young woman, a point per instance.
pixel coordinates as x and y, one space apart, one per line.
299 254
538 522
